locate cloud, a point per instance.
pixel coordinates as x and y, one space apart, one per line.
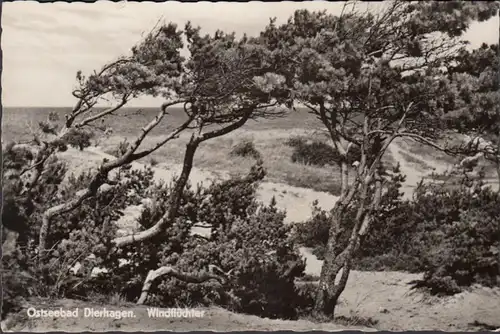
45 44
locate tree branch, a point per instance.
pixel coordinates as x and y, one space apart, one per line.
247 112
129 155
98 180
185 277
425 141
173 135
64 208
173 203
108 111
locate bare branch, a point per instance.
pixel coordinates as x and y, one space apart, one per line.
173 135
100 178
426 141
92 189
108 111
247 113
129 155
185 277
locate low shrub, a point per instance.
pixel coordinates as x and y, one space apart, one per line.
313 232
316 152
248 239
469 248
295 141
153 162
22 202
15 285
78 138
306 292
246 148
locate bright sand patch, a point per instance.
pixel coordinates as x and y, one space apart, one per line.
296 201
213 319
382 296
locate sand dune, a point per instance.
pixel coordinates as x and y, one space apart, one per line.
296 201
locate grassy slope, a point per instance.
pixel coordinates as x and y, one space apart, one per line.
214 155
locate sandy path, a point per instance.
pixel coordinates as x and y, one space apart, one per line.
296 201
413 173
388 298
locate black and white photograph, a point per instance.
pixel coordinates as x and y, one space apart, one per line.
250 166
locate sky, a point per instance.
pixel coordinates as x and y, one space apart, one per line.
45 44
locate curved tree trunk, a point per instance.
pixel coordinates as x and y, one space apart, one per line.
329 289
186 277
328 292
174 202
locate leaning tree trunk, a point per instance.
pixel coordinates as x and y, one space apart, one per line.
329 289
174 202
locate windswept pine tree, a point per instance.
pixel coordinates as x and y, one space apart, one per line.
371 78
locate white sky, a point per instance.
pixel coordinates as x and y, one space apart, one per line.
44 45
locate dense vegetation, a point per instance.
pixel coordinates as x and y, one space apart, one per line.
248 239
451 232
369 78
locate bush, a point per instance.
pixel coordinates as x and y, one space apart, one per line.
316 152
451 233
247 238
307 292
153 162
295 141
315 230
15 281
246 148
78 138
468 251
21 203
